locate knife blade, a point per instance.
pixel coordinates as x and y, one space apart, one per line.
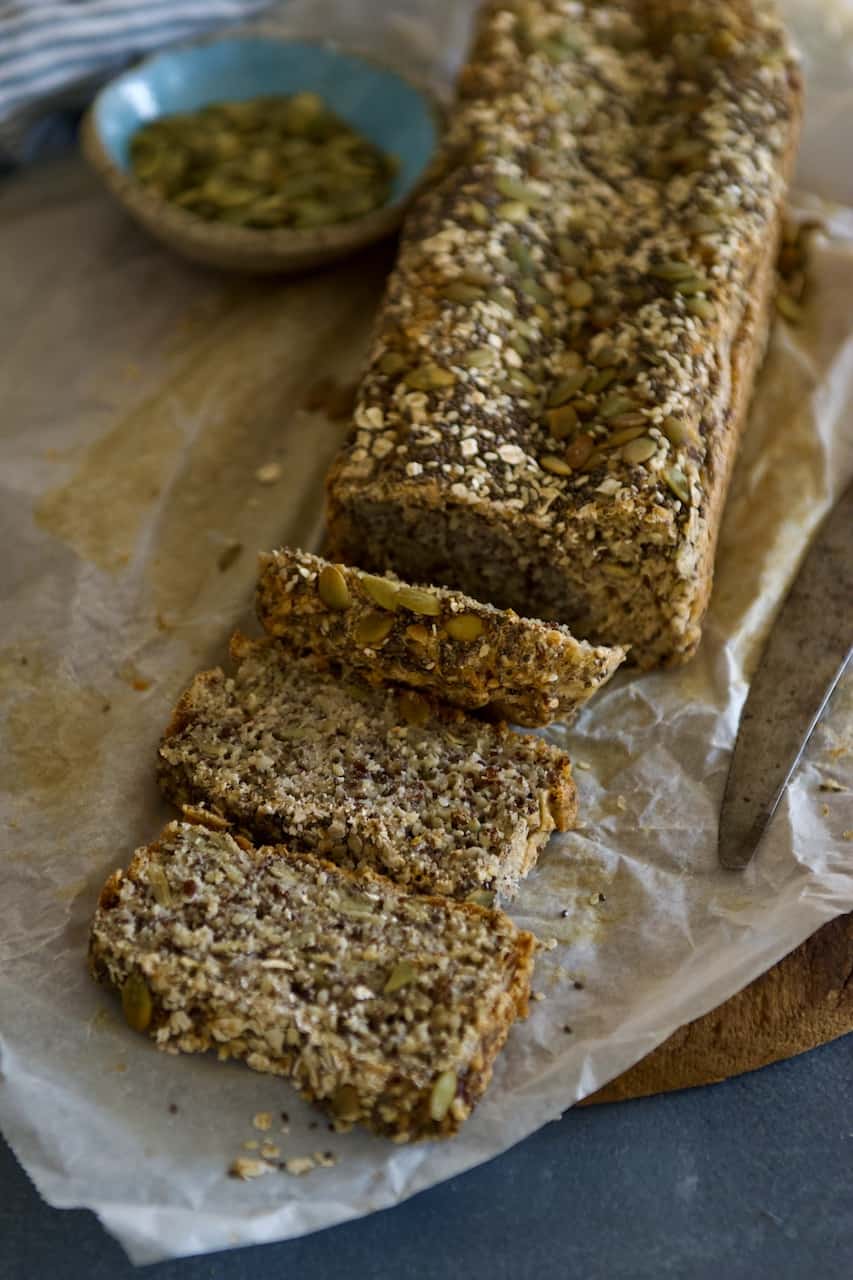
805 656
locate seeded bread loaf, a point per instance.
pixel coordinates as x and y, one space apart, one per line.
465 652
385 1008
568 342
440 801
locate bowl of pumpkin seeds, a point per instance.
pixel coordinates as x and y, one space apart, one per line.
262 155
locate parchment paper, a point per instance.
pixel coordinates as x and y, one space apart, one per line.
140 398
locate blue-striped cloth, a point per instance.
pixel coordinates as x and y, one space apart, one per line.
54 53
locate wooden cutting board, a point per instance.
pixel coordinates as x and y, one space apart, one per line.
804 1001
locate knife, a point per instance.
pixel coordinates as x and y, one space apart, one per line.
805 656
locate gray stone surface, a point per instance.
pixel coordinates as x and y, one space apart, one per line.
745 1180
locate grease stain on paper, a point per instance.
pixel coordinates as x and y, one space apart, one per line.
53 731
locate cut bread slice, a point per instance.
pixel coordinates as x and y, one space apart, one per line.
384 1007
431 638
440 801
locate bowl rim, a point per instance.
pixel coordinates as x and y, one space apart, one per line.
156 210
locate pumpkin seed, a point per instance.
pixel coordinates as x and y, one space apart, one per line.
332 588
381 590
594 460
442 1095
693 284
479 213
512 211
265 163
520 381
159 885
566 388
136 1002
533 289
346 1103
418 601
579 450
672 270
562 422
599 381
515 190
630 419
579 293
464 626
393 362
459 291
477 275
639 450
522 257
702 224
373 628
622 437
556 465
479 358
703 308
570 252
605 357
613 406
676 431
677 481
400 976
429 377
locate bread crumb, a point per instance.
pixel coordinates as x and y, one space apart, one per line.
245 1168
229 555
324 1159
262 1120
847 835
268 473
829 784
270 1151
297 1165
251 1145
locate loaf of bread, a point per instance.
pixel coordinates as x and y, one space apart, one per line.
462 651
565 354
387 1009
440 801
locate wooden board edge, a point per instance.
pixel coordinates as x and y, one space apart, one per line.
803 1001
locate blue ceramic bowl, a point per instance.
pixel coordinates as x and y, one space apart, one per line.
396 115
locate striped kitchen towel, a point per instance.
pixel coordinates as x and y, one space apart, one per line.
54 53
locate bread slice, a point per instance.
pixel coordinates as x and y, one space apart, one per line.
440 801
568 343
386 1008
465 652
